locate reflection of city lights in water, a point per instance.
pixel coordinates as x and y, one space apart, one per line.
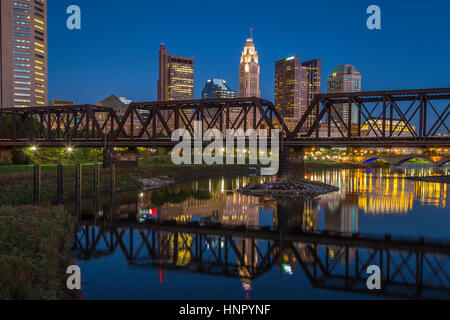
247 287
382 192
287 269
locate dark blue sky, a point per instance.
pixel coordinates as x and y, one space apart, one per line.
117 49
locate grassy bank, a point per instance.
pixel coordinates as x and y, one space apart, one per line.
17 181
18 187
34 252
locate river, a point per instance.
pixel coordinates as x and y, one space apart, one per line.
253 248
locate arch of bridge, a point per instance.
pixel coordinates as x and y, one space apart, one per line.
399 160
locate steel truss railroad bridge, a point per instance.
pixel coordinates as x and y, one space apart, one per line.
405 118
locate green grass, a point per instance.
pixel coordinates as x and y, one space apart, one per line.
7 169
17 185
34 252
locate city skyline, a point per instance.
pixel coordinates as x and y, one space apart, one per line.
126 66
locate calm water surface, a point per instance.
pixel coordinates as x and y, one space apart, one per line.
253 248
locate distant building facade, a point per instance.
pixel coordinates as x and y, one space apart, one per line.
217 89
61 103
176 77
287 90
125 100
311 86
23 53
373 127
345 78
120 108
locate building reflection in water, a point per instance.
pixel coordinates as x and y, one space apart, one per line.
382 192
216 203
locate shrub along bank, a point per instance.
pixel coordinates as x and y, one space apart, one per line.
34 252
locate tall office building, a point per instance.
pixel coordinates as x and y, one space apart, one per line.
176 77
217 89
311 85
296 85
345 78
287 90
249 71
23 60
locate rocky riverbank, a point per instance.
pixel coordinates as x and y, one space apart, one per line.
288 189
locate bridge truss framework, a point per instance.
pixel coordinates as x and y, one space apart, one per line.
385 118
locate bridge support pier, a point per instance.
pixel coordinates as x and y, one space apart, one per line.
292 162
96 187
112 188
125 158
108 157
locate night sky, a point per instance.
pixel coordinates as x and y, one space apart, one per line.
116 51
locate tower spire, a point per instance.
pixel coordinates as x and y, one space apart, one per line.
251 33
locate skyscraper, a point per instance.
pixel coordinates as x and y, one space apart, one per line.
296 85
311 85
217 89
249 71
287 90
176 77
345 78
23 61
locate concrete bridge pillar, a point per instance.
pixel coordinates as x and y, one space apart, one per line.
120 158
108 157
292 162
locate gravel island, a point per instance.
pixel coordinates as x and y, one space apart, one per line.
288 189
155 183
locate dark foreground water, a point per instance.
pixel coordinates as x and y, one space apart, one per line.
202 240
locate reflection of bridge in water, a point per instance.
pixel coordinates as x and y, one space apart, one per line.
410 269
232 235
